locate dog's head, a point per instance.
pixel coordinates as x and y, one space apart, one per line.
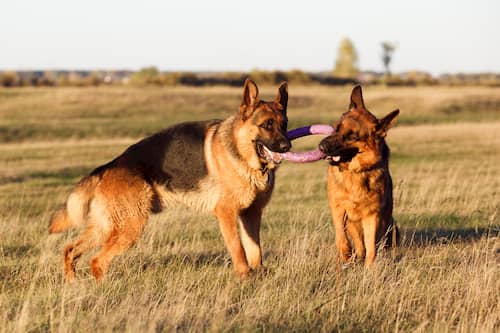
358 137
264 124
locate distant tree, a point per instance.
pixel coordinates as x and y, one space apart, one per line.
146 75
388 49
262 77
94 79
170 79
347 60
48 78
189 79
234 79
9 79
75 79
63 80
298 76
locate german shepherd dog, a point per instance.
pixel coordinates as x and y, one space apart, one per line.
359 181
222 166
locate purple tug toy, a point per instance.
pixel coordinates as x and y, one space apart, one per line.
308 156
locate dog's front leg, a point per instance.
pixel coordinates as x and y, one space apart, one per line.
250 235
227 214
341 241
370 225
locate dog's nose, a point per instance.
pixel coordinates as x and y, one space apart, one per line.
285 146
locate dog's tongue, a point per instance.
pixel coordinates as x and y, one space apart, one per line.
271 156
333 158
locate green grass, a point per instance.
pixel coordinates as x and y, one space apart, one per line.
445 168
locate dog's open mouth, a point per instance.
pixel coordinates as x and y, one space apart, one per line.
342 155
268 155
333 158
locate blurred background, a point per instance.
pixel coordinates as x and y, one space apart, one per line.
198 43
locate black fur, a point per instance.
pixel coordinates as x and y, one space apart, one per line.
173 157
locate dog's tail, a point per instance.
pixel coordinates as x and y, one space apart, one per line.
74 213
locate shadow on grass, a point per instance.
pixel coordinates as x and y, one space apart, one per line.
17 251
196 259
412 237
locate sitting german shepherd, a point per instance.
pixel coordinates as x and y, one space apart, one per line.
359 182
222 166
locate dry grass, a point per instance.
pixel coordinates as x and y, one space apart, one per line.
444 278
104 112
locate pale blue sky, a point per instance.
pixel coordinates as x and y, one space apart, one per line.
436 36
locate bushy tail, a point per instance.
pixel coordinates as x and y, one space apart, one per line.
59 221
74 213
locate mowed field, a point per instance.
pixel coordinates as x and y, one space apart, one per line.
446 169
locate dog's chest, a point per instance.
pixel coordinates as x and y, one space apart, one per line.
356 191
261 185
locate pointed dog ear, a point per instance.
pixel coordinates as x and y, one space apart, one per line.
250 98
282 98
357 98
386 123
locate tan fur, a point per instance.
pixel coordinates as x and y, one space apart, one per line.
59 221
360 190
76 208
114 206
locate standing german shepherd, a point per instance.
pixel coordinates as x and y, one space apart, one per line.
222 166
359 182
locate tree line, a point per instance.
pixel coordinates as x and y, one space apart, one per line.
346 71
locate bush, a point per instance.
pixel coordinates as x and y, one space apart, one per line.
49 79
146 76
94 79
262 77
9 79
296 76
189 79
170 79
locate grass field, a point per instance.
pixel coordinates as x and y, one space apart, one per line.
446 170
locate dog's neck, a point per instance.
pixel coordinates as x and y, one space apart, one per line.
344 167
261 174
378 161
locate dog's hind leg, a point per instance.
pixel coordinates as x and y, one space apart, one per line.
120 240
250 230
75 249
127 202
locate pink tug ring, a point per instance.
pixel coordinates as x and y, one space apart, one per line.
308 156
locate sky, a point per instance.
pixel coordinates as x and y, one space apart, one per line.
440 36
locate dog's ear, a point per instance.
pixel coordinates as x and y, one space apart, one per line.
250 98
386 123
282 98
357 98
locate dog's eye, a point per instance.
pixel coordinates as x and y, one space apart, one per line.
351 136
268 125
